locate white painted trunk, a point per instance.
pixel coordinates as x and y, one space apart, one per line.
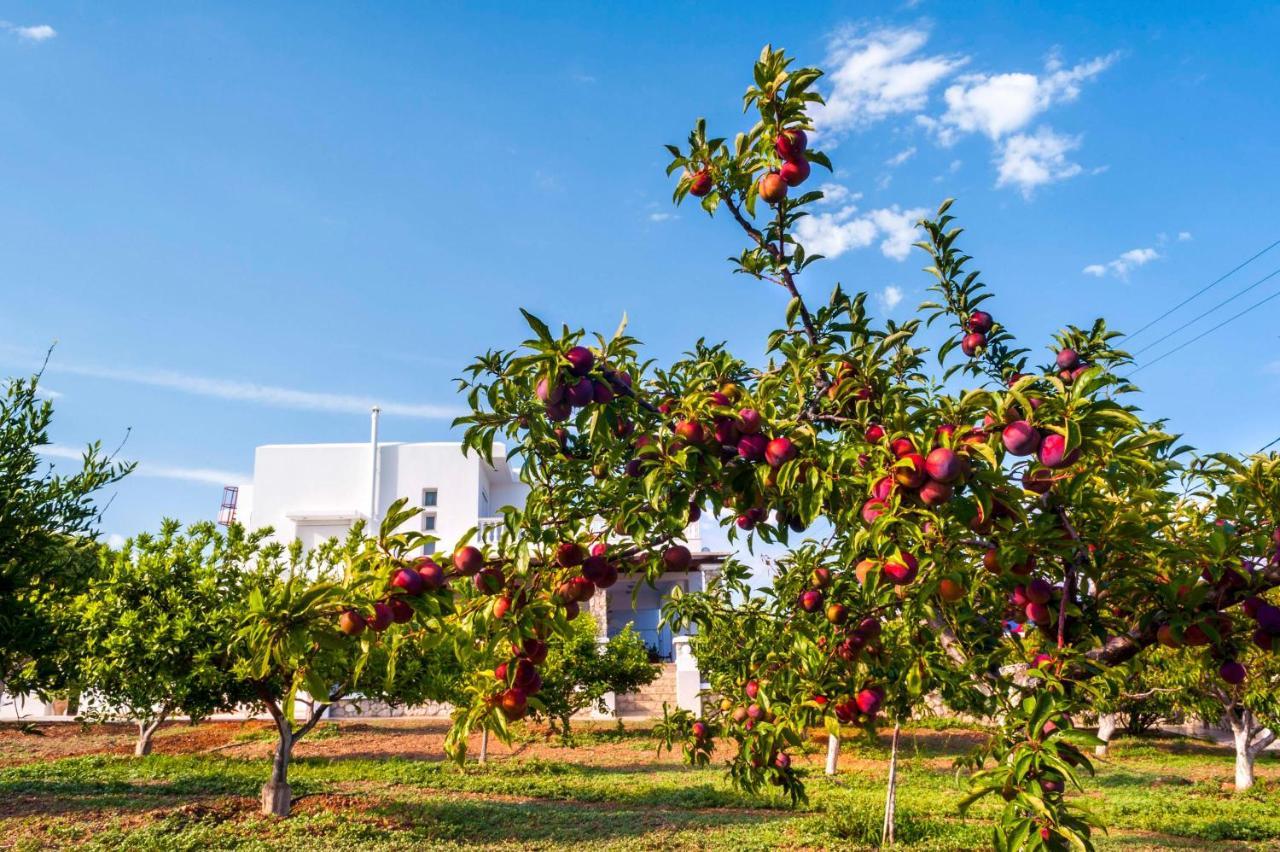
1106 730
833 753
1241 734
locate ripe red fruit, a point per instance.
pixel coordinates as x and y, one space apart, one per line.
582 589
601 392
748 421
972 342
1268 618
1232 672
690 430
837 613
609 577
950 590
820 577
1038 612
1053 451
501 607
695 512
549 393
580 359
558 412
726 433
409 581
1038 481
753 447
869 700
874 433
1251 604
500 672
872 509
791 143
489 581
468 560
795 172
909 472
980 321
381 618
943 465
700 183
700 730
773 188
779 451
515 703
782 761
1039 591
595 567
1020 438
934 493
811 600
401 612
532 649
902 569
433 576
582 393
901 447
991 561
752 689
570 554
351 623
677 558
1068 359
883 488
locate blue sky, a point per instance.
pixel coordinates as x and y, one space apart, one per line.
243 222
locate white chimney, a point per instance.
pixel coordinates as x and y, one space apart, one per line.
373 471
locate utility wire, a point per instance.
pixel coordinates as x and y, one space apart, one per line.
1269 446
1221 304
1230 319
1205 288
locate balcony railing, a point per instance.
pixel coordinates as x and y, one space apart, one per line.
488 530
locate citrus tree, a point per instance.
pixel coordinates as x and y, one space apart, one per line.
48 526
155 630
963 516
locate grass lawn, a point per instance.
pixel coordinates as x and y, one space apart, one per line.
385 784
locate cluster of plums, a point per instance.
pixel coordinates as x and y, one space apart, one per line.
790 145
425 575
520 677
931 478
561 394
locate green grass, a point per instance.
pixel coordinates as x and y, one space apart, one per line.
1154 794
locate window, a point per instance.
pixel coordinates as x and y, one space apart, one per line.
429 503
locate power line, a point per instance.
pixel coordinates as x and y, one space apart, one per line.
1269 446
1230 319
1221 304
1205 288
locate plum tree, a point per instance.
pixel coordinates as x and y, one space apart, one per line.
833 463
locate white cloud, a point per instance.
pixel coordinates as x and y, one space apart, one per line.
36 33
1121 266
890 297
999 104
1183 236
115 541
833 234
661 217
158 471
835 193
901 157
877 74
269 395
1027 161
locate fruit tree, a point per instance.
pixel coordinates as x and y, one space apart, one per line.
964 517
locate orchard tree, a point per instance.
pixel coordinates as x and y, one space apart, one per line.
155 629
361 618
580 671
1000 528
47 539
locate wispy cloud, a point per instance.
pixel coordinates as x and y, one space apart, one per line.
662 217
1122 265
35 33
1031 160
901 157
269 395
890 296
208 475
1183 236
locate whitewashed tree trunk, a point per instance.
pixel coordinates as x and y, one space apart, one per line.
833 753
1250 739
484 747
1106 730
277 795
891 797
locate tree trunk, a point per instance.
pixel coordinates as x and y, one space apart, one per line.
277 795
145 732
833 753
484 746
891 797
1106 730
